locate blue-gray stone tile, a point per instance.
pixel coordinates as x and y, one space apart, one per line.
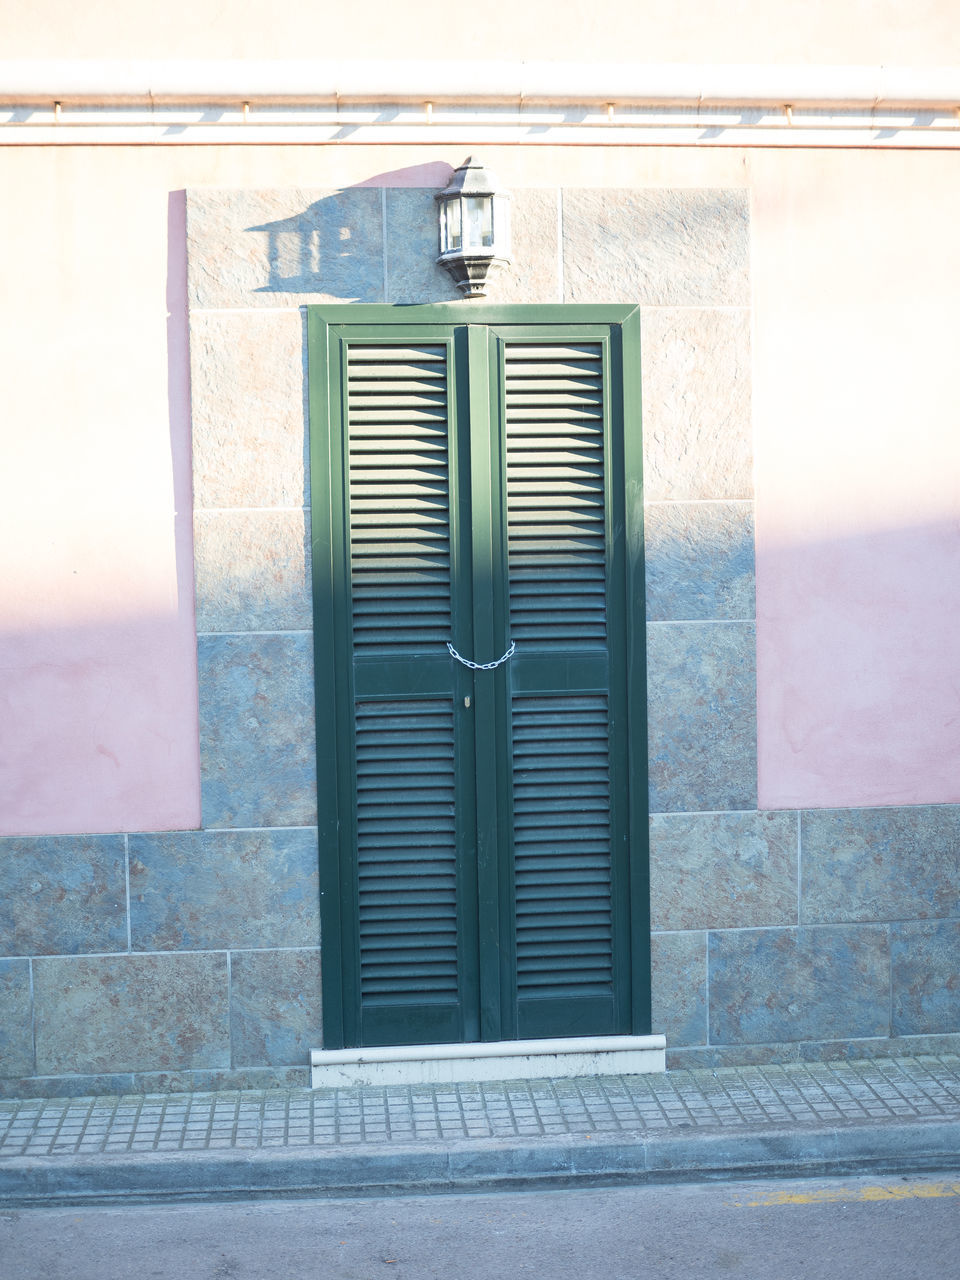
101 1085
16 1019
696 382
878 1047
925 964
257 743
678 976
880 864
131 1013
275 1014
221 889
769 985
726 1055
283 247
248 409
411 240
723 870
658 246
210 1081
252 570
699 561
60 895
702 708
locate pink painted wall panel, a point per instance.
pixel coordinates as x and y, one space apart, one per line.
857 430
98 689
96 718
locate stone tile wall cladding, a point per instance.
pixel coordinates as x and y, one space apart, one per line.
191 959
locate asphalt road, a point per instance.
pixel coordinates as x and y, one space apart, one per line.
844 1229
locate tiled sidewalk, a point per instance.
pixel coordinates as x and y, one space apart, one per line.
730 1099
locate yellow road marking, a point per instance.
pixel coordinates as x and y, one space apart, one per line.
856 1195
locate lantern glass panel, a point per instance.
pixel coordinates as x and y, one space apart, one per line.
451 236
478 216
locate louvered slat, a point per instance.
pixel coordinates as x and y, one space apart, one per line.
399 497
406 849
555 494
561 796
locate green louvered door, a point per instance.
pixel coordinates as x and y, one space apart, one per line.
482 832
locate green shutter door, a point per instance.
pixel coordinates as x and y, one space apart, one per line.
556 421
483 833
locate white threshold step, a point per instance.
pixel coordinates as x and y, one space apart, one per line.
492 1060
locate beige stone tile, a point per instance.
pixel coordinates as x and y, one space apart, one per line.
284 247
697 434
249 416
657 247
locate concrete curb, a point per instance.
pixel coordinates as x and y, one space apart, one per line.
485 1164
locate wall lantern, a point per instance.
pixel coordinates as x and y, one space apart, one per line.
474 227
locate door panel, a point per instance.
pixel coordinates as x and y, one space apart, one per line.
482 875
561 849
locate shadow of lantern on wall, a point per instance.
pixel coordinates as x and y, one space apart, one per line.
474 227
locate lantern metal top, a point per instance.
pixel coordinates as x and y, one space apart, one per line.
470 179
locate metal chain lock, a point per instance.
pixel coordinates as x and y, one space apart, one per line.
482 666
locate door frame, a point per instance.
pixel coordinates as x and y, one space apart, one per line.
332 651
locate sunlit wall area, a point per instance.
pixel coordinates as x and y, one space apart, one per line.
744 31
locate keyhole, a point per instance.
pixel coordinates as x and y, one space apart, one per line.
466 701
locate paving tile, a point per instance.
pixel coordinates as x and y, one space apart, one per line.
880 864
723 870
222 889
699 561
702 716
769 985
799 1094
60 895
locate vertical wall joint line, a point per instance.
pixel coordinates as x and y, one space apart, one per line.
126 875
560 297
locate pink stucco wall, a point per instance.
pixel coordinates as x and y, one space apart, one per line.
98 698
857 425
856 269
